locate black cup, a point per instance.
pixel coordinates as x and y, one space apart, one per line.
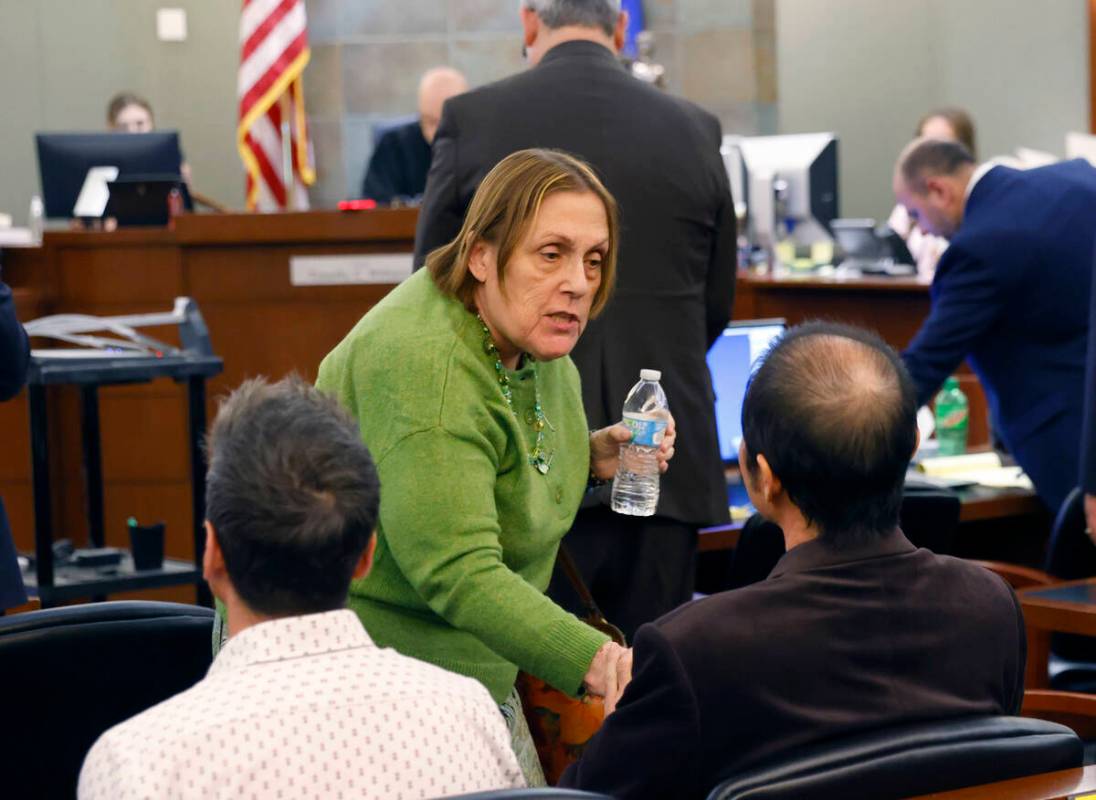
147 545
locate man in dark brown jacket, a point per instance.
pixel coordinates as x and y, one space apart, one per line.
854 629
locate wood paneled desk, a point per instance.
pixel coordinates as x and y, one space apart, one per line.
236 266
1067 783
979 504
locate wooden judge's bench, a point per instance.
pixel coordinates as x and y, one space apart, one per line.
238 269
274 301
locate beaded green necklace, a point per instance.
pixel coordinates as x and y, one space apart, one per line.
534 417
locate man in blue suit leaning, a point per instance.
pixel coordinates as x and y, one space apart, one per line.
1088 441
1010 294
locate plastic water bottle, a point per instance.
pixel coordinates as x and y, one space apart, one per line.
635 486
952 418
36 219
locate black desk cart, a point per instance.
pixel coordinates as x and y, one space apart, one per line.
56 583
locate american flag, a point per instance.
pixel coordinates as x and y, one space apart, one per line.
273 55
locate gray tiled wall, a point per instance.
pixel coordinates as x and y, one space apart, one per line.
367 56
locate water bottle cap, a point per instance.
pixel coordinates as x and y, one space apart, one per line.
650 375
951 383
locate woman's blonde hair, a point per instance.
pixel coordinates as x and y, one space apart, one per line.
505 205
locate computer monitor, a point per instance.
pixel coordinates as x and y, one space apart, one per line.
789 182
65 158
732 360
1081 145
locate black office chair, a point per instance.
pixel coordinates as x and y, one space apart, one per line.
383 126
912 760
532 794
1070 552
928 517
1071 556
70 673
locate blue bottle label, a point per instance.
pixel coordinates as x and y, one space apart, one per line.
646 431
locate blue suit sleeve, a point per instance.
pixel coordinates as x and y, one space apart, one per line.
649 745
1088 439
442 211
14 347
966 304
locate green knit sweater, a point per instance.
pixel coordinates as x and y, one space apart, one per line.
468 528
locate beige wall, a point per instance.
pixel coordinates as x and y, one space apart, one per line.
61 60
868 69
368 56
865 68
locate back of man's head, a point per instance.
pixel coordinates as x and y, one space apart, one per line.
833 411
557 14
926 158
292 494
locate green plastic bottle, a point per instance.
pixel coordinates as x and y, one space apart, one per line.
952 418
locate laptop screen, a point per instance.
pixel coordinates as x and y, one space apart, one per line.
731 361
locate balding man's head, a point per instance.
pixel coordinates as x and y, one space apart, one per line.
436 86
930 180
833 411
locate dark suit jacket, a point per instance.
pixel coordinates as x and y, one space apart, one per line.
14 347
831 644
659 156
1009 294
1088 440
398 165
14 358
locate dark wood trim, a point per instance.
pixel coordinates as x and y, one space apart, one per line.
1047 786
395 225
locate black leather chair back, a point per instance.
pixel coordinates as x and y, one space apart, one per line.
1070 553
913 760
71 673
928 518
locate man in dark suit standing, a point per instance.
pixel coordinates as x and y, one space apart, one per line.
854 629
1009 294
659 156
14 359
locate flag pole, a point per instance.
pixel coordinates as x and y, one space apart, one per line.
287 154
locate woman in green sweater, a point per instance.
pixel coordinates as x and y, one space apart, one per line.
465 395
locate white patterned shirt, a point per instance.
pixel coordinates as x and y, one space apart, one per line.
308 707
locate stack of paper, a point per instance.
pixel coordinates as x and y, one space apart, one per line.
984 469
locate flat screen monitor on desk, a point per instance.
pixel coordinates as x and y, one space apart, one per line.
732 360
788 180
64 160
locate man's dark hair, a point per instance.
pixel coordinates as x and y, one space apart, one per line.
932 157
834 412
292 494
556 14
